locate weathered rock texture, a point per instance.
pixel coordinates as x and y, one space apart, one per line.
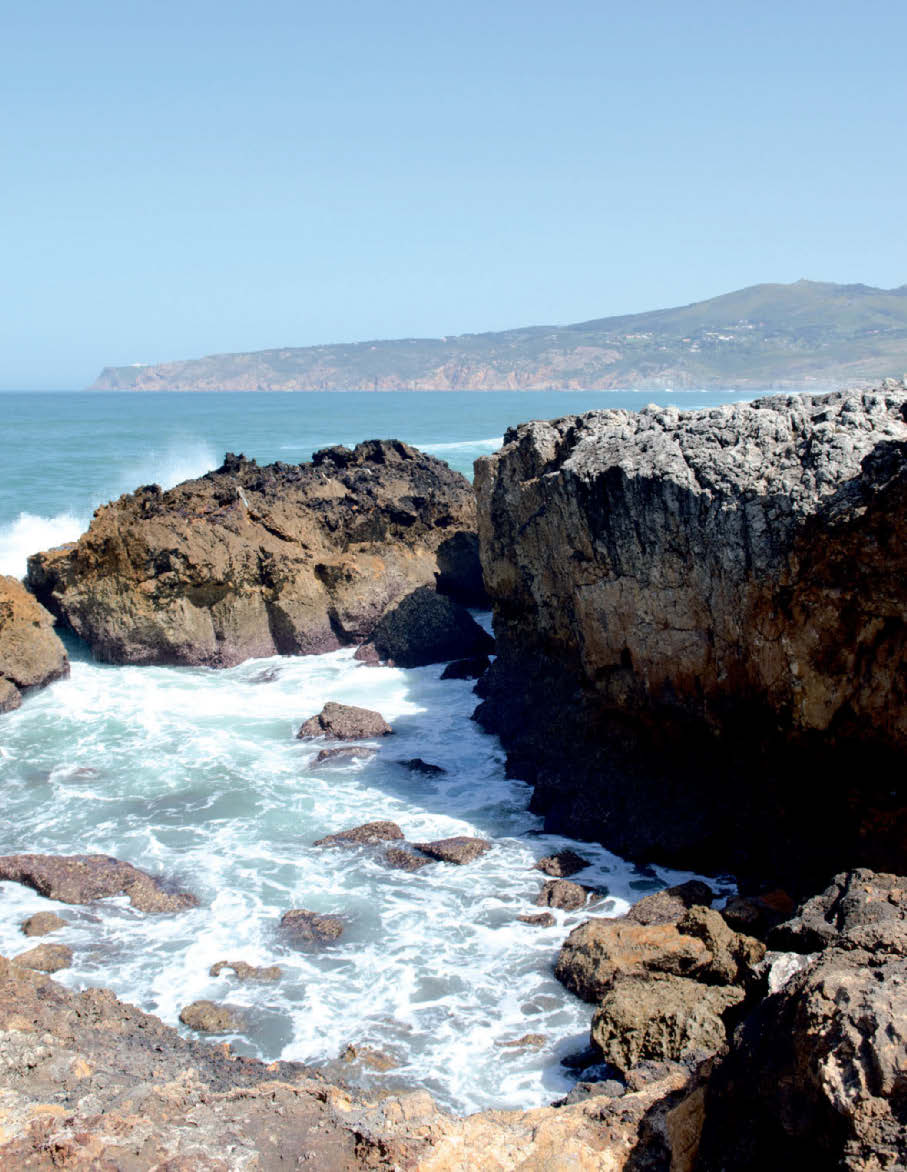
344 722
426 628
85 878
250 561
31 655
682 598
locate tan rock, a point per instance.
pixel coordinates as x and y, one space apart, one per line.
46 958
344 722
31 655
563 894
85 878
247 972
209 1018
42 923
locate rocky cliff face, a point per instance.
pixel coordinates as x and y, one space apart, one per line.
702 627
31 655
253 561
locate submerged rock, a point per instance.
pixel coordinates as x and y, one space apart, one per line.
466 669
85 878
460 849
305 927
258 561
247 972
344 722
31 655
206 1017
562 865
367 834
42 923
417 765
686 598
45 958
405 860
425 627
346 753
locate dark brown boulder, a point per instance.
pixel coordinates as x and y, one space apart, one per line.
42 923
563 894
539 920
256 561
460 849
344 722
84 878
667 907
426 627
31 655
345 753
399 859
366 835
562 865
417 765
206 1017
310 928
45 958
466 669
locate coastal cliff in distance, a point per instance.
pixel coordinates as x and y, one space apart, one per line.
701 627
808 335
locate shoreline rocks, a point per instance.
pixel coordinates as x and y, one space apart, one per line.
256 561
31 655
681 598
423 628
85 878
344 722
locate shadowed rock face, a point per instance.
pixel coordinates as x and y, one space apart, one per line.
31 655
249 561
701 624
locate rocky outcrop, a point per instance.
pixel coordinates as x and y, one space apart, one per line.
305 928
344 722
42 924
368 834
426 628
256 561
562 865
563 894
460 849
243 971
682 598
85 878
207 1017
31 655
45 958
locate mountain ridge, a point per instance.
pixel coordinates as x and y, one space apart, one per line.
805 334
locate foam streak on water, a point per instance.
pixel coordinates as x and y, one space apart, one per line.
197 775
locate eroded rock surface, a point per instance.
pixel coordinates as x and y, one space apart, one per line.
45 958
207 1017
257 561
426 627
366 835
31 655
85 878
310 928
243 971
344 722
42 923
684 598
462 848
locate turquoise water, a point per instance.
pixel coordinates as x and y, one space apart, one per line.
196 774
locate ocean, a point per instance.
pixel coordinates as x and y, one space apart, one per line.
196 774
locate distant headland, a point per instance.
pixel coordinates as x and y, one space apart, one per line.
809 334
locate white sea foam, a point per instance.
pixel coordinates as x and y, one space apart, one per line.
29 533
197 774
480 445
179 461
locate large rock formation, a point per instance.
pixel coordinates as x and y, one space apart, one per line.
254 561
31 655
701 623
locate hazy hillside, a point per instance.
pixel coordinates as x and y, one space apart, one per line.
802 335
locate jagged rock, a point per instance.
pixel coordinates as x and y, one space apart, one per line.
466 669
405 860
684 598
45 958
460 849
539 920
563 894
344 722
859 909
417 765
562 865
305 927
31 655
426 627
661 1017
367 834
345 753
84 878
596 953
257 561
206 1017
41 923
734 957
247 972
669 905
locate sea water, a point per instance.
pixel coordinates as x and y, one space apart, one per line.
196 775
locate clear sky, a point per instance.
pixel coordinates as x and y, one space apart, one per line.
185 177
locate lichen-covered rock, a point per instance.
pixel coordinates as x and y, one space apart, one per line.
368 834
701 628
425 627
661 1017
42 923
344 722
257 561
31 655
45 958
85 878
460 849
206 1017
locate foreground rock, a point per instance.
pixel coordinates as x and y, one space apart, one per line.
89 1082
344 722
460 849
686 597
31 655
563 894
309 928
425 627
85 878
257 561
45 958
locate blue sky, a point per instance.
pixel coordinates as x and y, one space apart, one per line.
187 178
